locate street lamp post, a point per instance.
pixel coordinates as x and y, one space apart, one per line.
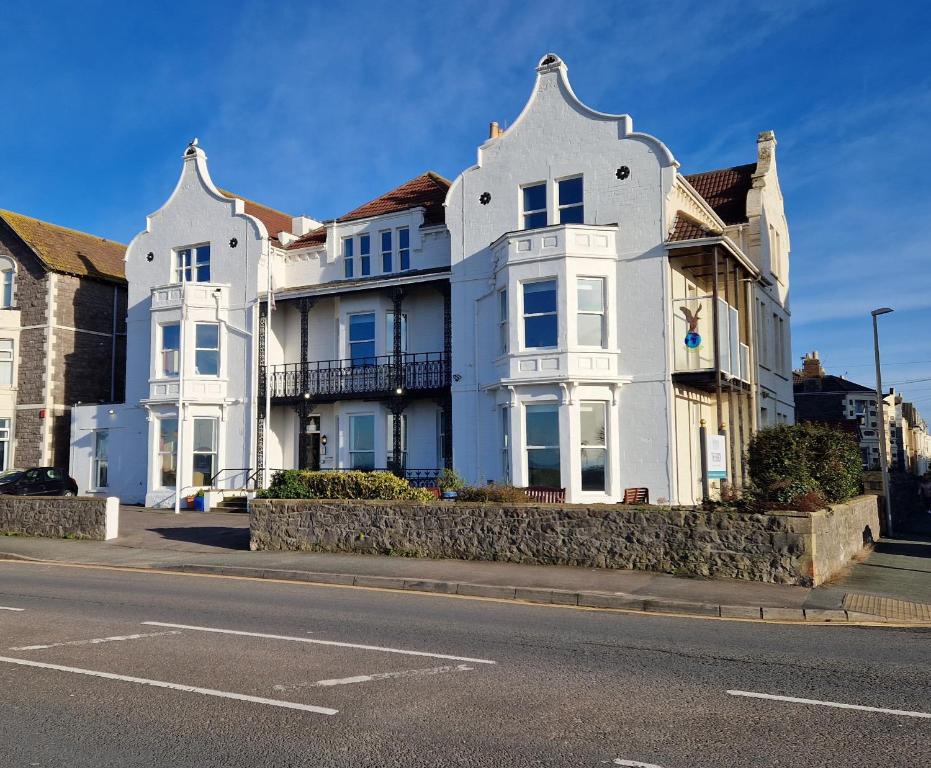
883 460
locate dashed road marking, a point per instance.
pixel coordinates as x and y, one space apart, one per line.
172 686
635 764
836 704
314 641
7 608
96 640
377 676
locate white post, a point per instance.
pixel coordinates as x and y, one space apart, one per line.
881 417
268 399
180 432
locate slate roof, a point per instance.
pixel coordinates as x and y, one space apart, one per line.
829 384
66 250
725 190
274 221
684 227
427 190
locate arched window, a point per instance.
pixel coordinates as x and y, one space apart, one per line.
7 278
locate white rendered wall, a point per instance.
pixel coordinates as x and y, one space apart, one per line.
127 432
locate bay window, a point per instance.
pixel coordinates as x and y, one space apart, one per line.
171 348
167 451
503 321
207 349
590 320
205 450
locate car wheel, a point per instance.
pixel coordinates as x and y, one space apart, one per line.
67 493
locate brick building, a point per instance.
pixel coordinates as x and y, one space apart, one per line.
62 334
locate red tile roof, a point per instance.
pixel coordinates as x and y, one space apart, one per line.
726 190
274 221
427 191
684 227
66 250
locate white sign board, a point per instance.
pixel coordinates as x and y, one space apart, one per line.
716 457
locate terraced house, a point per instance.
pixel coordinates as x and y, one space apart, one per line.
563 314
62 334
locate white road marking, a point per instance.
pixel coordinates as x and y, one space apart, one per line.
96 640
172 686
836 704
635 764
7 608
378 676
319 642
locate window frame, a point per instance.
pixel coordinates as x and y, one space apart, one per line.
590 312
348 257
387 254
506 443
187 268
101 461
162 349
529 447
160 452
594 447
214 451
404 250
389 332
525 315
352 450
365 255
503 321
389 447
8 362
6 434
7 283
560 206
528 212
365 360
198 349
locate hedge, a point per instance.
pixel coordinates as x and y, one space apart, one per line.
494 493
304 484
791 461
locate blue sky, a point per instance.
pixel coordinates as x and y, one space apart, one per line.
315 107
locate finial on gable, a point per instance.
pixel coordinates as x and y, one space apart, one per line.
549 63
192 148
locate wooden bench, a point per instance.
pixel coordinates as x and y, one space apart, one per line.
545 495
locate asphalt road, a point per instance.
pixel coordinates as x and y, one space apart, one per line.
567 687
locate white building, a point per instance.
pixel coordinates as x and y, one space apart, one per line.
525 324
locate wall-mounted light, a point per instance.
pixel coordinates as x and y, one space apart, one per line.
399 391
307 395
323 440
110 411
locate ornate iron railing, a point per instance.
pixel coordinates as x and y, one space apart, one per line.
378 375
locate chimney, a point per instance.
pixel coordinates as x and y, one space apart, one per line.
494 130
811 366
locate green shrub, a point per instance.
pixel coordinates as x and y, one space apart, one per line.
798 463
449 480
303 484
500 494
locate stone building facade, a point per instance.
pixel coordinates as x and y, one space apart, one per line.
62 334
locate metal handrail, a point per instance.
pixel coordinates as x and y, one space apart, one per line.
368 375
228 469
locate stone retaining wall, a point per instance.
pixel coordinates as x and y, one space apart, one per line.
779 547
60 517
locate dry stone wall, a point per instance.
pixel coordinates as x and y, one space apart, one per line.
59 517
777 547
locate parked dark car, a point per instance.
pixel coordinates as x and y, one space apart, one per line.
38 481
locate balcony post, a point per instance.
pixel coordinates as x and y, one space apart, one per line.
396 465
304 306
397 297
447 327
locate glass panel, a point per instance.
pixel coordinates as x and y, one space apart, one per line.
171 336
573 215
535 198
386 265
592 422
6 373
535 220
100 447
540 297
207 335
570 191
364 460
364 255
204 468
404 244
8 288
362 437
543 425
540 331
543 467
591 294
168 435
591 330
207 362
593 469
389 332
205 434
362 327
202 264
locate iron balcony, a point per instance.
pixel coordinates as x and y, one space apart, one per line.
414 373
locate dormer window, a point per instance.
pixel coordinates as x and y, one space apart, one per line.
365 254
534 206
347 256
386 252
404 248
192 265
7 279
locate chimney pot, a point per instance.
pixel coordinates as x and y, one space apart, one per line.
494 130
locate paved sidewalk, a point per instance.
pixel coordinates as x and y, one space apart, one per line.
218 542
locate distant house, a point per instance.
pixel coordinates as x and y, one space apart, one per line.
62 334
